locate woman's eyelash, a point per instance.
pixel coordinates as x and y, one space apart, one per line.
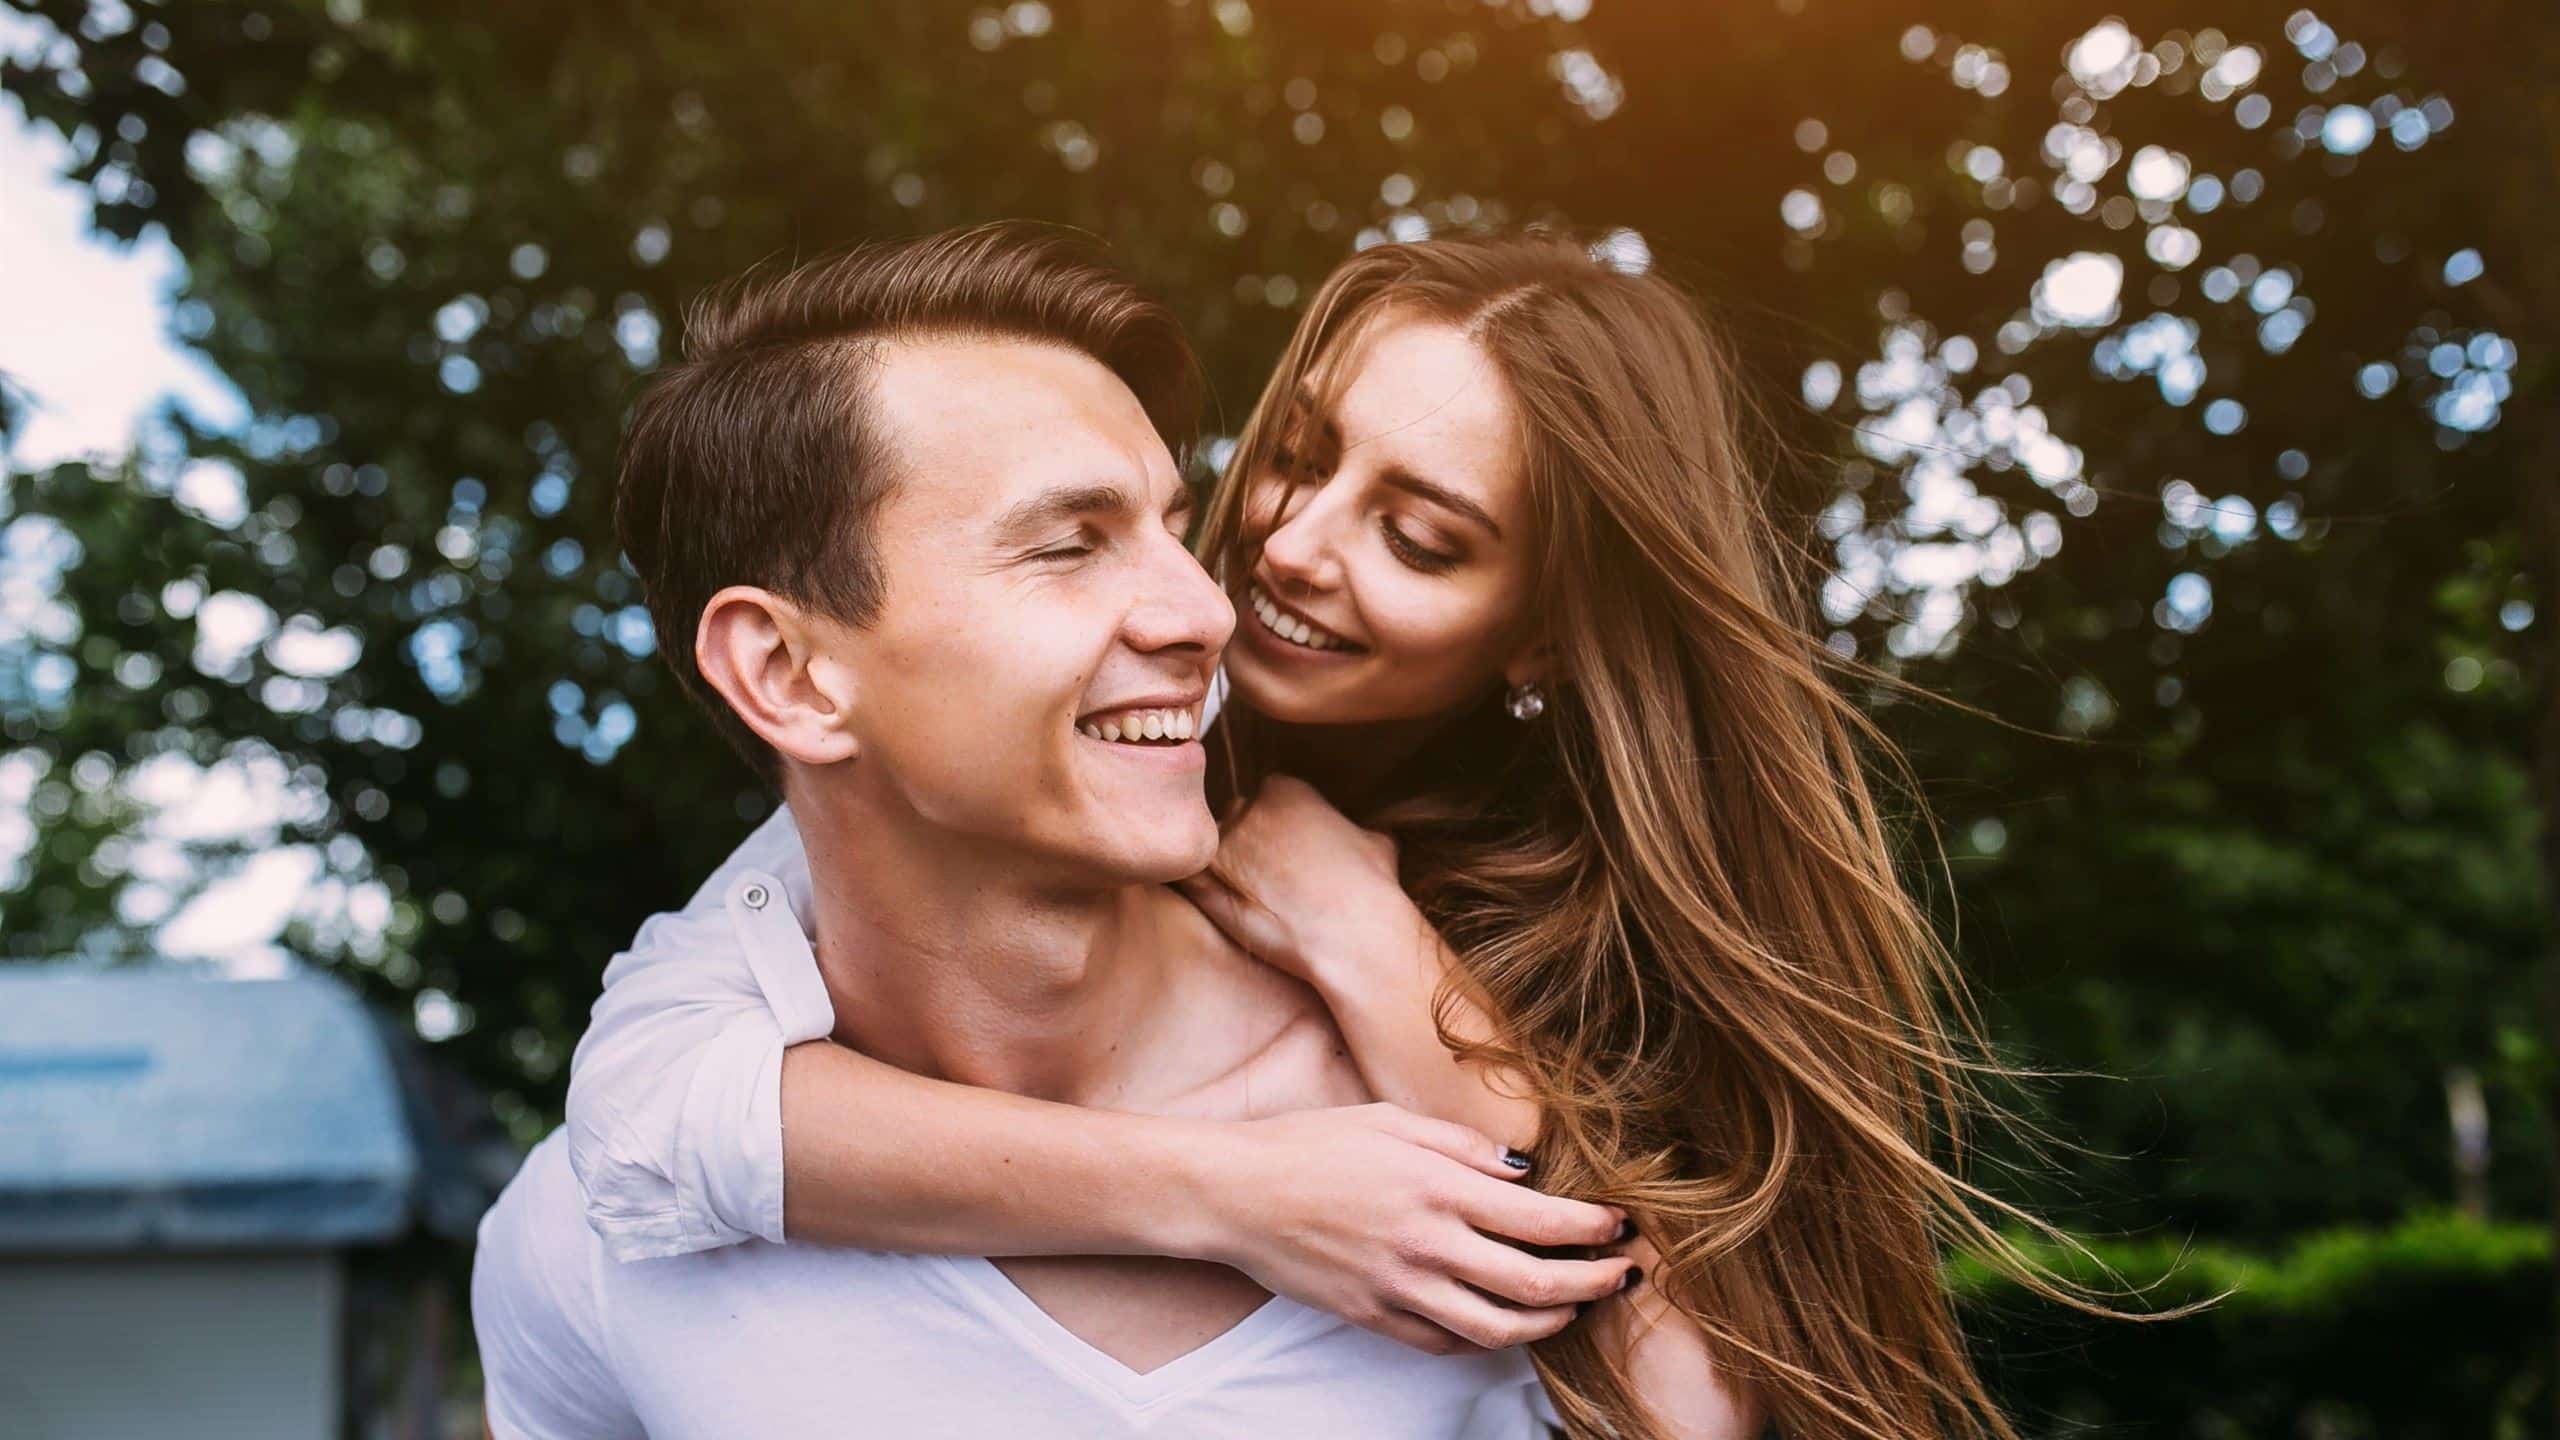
1402 546
1430 562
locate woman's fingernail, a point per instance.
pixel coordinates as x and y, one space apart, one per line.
1626 1232
1515 1159
1635 1273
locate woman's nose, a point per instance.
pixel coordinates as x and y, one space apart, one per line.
1298 550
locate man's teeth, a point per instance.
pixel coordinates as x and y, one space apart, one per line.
1139 726
1289 627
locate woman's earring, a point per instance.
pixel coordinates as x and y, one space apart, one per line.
1526 702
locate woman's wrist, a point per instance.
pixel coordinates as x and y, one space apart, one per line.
1186 1175
1367 954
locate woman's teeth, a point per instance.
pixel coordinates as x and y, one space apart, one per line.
1137 727
1289 627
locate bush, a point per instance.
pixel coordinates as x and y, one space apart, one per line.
2438 1326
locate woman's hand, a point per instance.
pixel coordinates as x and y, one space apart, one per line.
1311 892
1390 1220
1317 896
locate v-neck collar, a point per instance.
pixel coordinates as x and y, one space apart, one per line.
1275 1320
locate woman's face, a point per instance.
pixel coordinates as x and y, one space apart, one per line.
1393 582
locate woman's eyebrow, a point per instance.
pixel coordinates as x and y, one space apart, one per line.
1438 494
1303 404
1302 407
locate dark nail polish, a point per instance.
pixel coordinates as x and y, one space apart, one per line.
1626 1232
1515 1159
1635 1273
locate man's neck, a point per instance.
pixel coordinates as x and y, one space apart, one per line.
947 961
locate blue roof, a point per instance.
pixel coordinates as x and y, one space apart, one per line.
167 1107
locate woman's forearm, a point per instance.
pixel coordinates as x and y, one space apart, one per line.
882 1159
1369 1212
1301 888
1384 1004
1667 1363
1671 1371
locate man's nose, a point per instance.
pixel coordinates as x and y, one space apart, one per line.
1181 608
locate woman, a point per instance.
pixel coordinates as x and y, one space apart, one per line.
1513 609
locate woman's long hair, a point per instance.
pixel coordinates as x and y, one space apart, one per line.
1675 887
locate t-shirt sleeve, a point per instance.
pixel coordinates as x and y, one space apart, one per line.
675 1094
536 1309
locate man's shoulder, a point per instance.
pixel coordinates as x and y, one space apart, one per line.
535 1310
1305 1065
698 945
541 1217
537 1257
1290 1055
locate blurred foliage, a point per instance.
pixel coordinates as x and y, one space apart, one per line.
2169 388
2319 1342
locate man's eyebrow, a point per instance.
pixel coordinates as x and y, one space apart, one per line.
1064 502
1438 494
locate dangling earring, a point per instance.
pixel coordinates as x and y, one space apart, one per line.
1525 701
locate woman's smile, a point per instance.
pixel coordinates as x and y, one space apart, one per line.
1384 540
1292 627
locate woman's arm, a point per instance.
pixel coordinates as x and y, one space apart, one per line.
692 1072
1302 888
1667 1362
1371 1212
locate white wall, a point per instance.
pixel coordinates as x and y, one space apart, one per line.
169 1347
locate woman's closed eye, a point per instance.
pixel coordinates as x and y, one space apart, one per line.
1413 552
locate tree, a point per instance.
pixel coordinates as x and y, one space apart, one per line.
2165 390
437 313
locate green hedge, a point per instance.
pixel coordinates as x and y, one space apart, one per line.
2437 1327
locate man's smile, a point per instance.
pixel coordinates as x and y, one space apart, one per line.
1143 725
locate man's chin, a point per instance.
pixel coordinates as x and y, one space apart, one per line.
1179 847
1161 847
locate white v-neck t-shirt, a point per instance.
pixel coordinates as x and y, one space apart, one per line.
777 1342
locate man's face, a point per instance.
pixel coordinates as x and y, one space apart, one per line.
1038 600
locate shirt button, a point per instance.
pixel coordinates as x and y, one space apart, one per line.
755 896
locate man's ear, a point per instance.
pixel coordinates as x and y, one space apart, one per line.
762 654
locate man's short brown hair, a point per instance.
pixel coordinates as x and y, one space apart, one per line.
756 460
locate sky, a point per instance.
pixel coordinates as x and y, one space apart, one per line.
86 344
86 338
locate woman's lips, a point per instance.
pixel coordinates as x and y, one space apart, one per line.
1279 623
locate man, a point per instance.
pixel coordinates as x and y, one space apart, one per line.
916 508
